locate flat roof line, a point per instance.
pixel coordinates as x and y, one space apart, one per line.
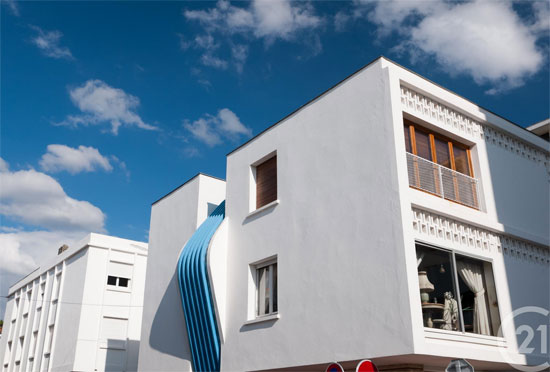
185 183
358 71
305 104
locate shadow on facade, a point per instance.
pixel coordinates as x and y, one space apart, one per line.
168 330
521 189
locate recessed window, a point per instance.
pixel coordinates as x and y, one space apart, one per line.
123 282
117 281
266 288
457 292
266 182
111 280
439 165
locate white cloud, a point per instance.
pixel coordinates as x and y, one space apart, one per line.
263 19
204 130
34 198
73 160
12 4
541 10
239 53
102 103
281 19
487 40
49 43
206 42
208 59
13 259
24 251
4 166
213 129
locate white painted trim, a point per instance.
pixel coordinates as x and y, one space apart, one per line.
471 338
261 209
264 318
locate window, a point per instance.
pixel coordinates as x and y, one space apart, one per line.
56 287
49 340
266 288
27 305
266 182
457 292
32 348
42 291
117 281
439 165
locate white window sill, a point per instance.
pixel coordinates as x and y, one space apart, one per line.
265 207
263 318
471 338
118 289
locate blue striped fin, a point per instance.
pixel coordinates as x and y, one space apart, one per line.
197 298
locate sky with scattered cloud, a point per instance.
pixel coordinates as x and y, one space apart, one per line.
107 106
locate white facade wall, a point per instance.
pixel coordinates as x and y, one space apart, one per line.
336 232
511 230
164 344
343 231
72 305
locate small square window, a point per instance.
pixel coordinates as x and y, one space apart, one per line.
266 289
123 282
266 182
111 280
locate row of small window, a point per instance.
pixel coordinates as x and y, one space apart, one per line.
118 281
32 348
40 300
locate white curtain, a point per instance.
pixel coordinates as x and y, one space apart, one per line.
473 277
419 258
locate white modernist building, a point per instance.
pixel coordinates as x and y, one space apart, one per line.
79 312
387 219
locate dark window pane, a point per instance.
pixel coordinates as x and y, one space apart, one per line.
461 160
111 280
408 146
123 282
423 148
437 289
274 287
442 153
266 182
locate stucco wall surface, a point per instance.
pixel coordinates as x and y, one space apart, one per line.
337 234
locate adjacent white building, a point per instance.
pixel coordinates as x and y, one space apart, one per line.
81 311
387 219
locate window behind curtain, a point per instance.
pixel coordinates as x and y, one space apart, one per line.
266 182
266 289
466 290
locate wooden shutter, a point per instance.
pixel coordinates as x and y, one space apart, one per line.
266 182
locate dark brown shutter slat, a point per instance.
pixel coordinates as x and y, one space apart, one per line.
266 182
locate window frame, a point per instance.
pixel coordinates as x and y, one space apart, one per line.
254 206
410 130
268 263
456 285
413 127
117 282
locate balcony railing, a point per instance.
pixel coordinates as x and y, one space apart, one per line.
442 181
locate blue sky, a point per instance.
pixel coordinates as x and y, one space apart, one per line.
107 106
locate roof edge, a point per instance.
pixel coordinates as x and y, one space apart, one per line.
185 183
360 70
306 104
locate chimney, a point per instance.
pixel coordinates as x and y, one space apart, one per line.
62 249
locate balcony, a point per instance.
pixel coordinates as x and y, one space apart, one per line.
443 182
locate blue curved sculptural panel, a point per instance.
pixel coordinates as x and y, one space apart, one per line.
197 297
